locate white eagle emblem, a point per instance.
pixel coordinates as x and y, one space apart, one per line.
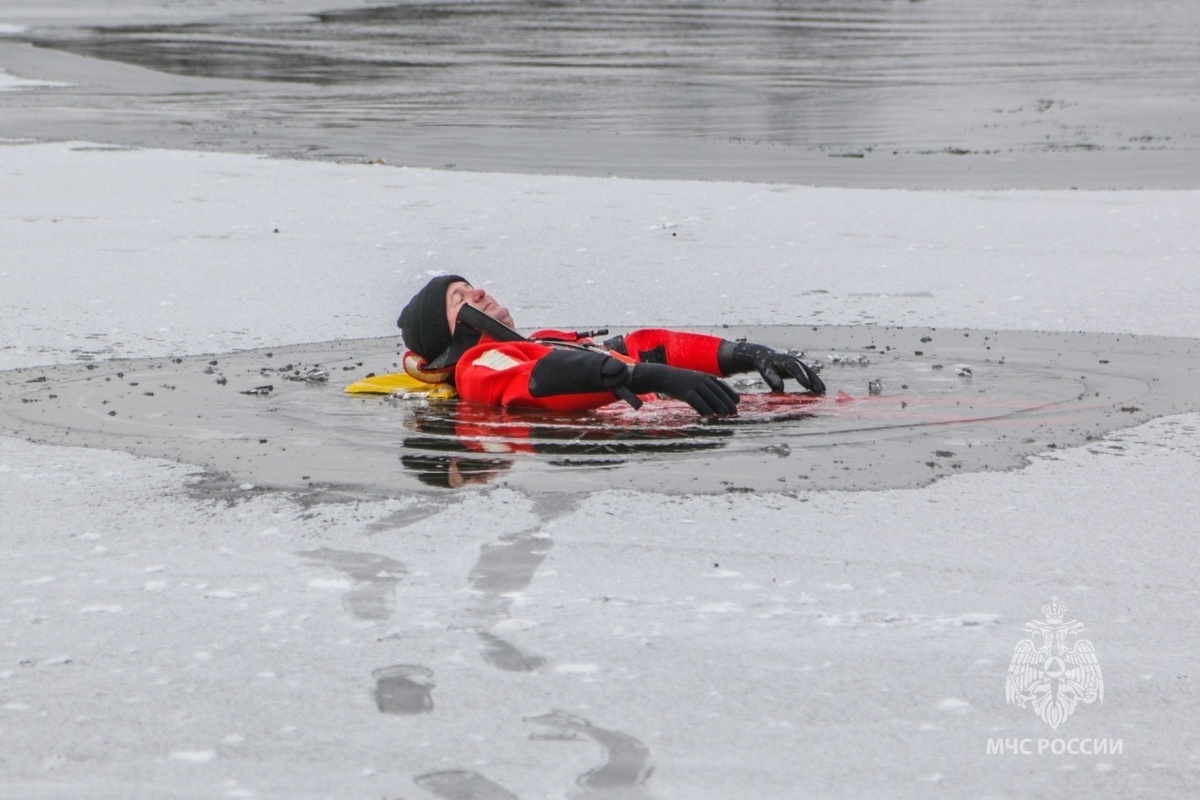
1055 671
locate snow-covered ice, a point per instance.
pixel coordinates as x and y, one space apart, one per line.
157 640
844 619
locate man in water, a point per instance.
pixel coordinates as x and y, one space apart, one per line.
461 335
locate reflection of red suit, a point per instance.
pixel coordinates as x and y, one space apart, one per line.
490 432
500 373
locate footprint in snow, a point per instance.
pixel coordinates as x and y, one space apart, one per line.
404 689
376 576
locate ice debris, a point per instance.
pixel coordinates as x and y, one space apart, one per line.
260 391
314 375
783 449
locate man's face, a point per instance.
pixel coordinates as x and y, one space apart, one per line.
461 293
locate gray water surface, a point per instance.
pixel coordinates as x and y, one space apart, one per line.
905 406
1006 93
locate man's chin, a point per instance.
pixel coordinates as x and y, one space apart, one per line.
500 314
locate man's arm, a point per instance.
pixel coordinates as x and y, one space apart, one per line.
696 351
532 375
716 356
503 374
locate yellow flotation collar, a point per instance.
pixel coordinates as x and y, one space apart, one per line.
401 382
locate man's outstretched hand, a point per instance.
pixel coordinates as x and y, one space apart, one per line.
707 394
773 366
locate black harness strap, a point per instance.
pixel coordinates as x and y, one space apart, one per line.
482 323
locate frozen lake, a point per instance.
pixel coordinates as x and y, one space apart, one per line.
1015 93
297 594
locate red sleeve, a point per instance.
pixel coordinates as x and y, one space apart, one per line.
555 334
498 373
676 348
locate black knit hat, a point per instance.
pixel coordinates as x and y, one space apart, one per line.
423 321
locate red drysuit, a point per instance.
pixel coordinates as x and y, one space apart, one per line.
509 373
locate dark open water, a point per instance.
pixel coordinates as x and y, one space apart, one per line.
959 92
1027 392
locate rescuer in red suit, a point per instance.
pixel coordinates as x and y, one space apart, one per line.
461 335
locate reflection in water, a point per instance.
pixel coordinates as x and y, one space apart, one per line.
459 444
452 472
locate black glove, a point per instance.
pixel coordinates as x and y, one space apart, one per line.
707 394
571 371
773 366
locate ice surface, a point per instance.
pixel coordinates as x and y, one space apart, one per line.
162 641
930 587
232 252
10 83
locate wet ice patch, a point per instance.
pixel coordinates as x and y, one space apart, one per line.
372 576
456 783
404 689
